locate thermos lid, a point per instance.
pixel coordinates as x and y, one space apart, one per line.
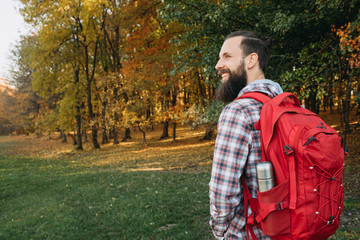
264 170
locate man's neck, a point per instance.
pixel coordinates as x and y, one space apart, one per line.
255 77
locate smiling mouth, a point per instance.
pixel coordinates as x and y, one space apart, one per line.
224 75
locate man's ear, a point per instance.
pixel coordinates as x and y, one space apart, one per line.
252 60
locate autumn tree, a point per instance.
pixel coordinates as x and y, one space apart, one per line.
111 57
149 62
69 35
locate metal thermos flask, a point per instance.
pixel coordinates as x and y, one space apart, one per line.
265 176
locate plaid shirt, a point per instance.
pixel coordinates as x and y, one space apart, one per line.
237 151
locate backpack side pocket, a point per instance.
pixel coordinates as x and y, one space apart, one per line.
274 213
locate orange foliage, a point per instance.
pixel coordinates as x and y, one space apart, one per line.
350 42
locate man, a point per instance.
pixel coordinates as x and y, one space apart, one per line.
242 63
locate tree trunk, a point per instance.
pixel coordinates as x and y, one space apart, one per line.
325 103
211 90
89 80
358 99
185 97
79 145
346 110
127 135
165 133
94 129
105 138
94 132
144 143
174 131
85 136
73 137
331 99
115 135
201 89
116 119
63 136
209 133
311 103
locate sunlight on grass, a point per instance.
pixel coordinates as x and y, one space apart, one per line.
178 147
186 152
146 169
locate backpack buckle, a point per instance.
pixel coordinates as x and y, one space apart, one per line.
288 150
321 125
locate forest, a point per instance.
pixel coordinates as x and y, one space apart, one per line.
97 70
105 112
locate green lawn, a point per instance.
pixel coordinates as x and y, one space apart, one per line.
55 199
44 199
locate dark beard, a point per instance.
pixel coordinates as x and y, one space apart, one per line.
230 89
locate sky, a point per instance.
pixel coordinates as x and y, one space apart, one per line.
12 26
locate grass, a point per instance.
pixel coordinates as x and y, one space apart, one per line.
52 199
45 199
349 221
50 191
343 234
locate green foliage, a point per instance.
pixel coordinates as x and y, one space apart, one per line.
301 32
315 70
198 115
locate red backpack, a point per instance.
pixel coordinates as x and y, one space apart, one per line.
308 162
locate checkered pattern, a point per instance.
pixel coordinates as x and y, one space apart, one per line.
237 151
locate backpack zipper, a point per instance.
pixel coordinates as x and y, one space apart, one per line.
267 145
312 138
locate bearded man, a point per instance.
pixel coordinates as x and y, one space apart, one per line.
242 62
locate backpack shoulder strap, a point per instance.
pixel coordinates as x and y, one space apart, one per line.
258 96
248 202
286 96
263 98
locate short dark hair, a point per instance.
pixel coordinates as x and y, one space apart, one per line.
253 43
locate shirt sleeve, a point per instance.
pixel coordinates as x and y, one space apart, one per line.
230 155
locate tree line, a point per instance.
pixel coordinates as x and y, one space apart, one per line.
105 67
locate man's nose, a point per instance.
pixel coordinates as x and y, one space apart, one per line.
219 65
